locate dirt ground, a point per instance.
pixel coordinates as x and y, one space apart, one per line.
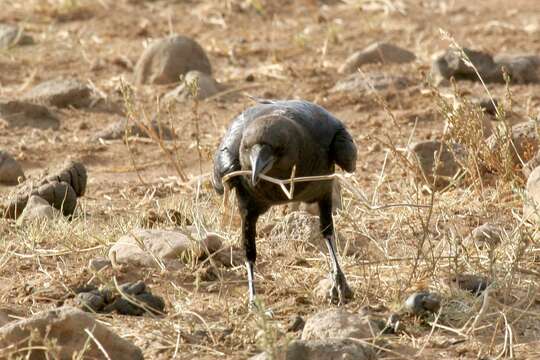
287 50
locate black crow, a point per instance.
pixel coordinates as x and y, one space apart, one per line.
270 138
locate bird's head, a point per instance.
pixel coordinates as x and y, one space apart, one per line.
270 145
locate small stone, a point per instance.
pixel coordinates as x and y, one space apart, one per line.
13 35
451 65
525 141
359 82
90 301
209 245
469 282
195 83
378 52
26 114
32 335
229 257
11 172
144 246
61 93
165 60
99 263
487 235
522 69
119 129
531 204
532 164
423 302
325 349
37 209
339 324
447 157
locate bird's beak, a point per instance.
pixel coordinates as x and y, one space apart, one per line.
262 160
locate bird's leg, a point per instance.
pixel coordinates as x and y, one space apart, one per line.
249 222
340 292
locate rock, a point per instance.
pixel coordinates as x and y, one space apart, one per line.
450 64
25 114
378 52
90 301
37 209
472 283
11 172
15 339
532 164
209 245
359 82
99 263
61 93
486 235
524 138
165 60
338 324
523 69
144 247
422 302
12 35
195 82
229 257
447 157
327 349
118 129
531 205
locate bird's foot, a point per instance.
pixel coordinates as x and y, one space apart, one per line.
340 293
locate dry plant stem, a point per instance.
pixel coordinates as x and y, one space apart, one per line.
98 344
194 90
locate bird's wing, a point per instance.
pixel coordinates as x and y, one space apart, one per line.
227 159
321 123
343 149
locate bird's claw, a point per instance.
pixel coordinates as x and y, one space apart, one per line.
340 293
